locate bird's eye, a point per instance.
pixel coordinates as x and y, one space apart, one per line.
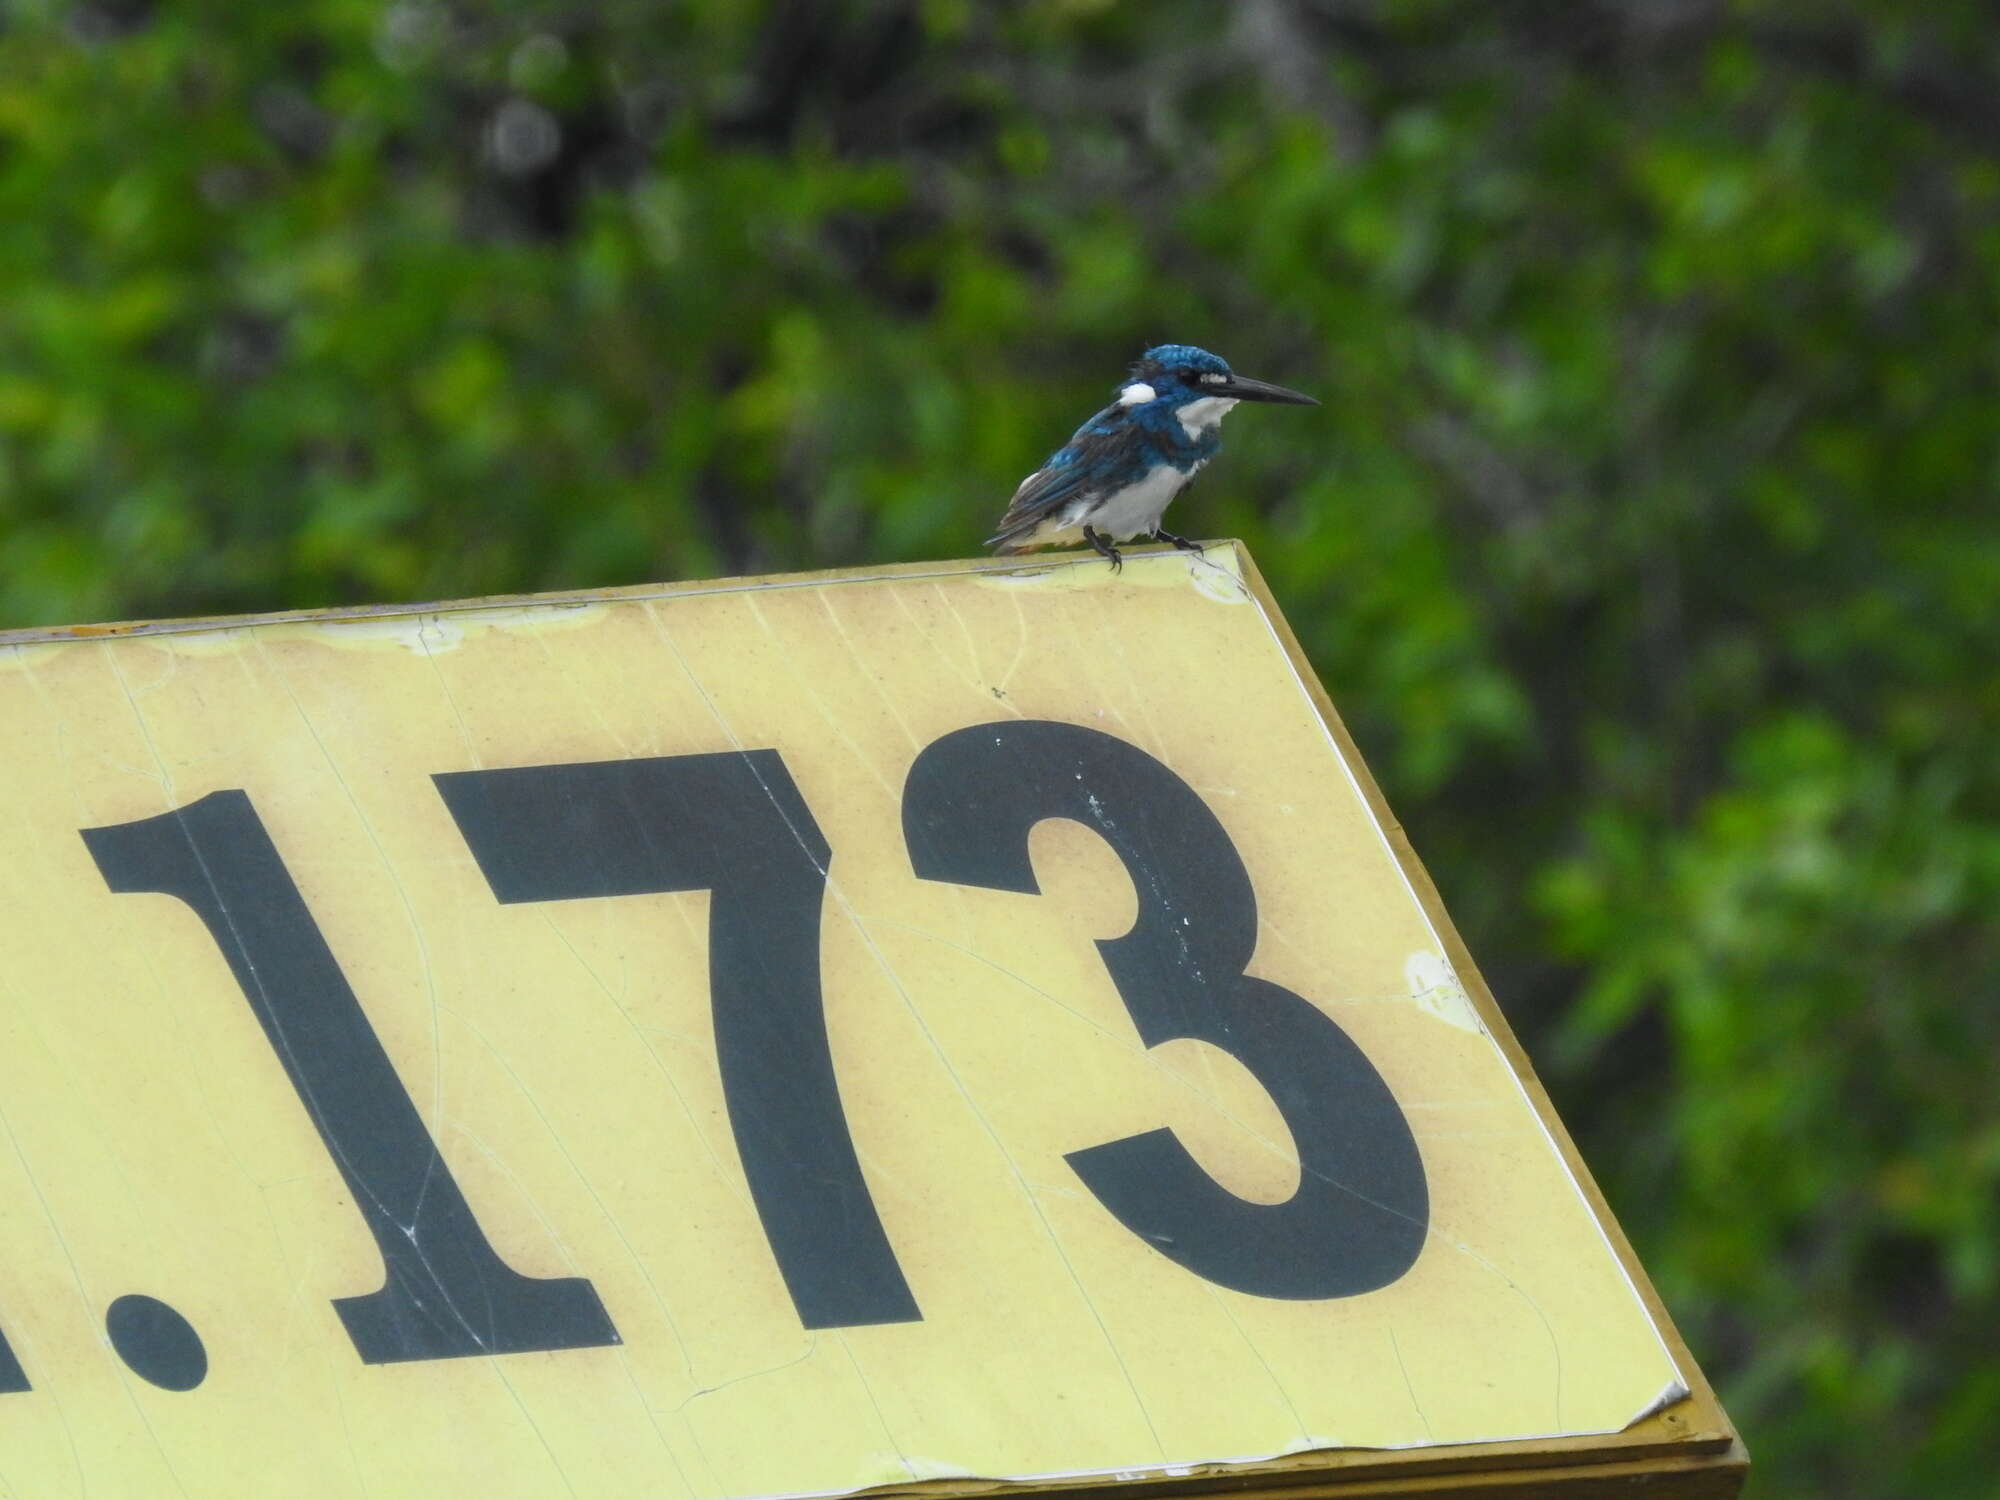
1186 372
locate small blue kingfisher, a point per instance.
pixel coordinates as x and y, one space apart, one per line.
1115 478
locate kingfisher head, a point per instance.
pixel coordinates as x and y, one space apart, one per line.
1196 386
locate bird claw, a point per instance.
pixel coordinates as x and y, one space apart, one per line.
1180 541
1104 548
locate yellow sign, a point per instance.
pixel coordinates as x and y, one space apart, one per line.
751 1039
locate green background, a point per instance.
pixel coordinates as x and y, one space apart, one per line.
1646 537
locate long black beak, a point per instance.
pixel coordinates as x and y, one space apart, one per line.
1243 388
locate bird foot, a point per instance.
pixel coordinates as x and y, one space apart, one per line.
1104 548
1179 541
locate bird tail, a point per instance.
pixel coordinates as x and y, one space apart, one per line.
1011 539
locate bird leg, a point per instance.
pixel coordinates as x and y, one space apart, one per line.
1179 541
1104 548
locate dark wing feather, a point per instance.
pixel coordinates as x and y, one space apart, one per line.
1106 453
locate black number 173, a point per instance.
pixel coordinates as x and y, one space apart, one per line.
735 824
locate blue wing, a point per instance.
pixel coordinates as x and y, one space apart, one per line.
1107 453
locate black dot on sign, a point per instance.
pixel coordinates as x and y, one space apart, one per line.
157 1342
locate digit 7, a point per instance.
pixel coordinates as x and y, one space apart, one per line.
733 823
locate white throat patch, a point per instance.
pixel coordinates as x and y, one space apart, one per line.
1138 393
1205 415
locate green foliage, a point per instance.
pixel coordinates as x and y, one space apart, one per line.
1647 535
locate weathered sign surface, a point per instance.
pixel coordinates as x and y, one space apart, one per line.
753 1039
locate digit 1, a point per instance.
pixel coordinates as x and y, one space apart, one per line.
445 1292
735 824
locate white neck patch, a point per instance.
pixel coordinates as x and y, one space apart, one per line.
1205 414
1138 393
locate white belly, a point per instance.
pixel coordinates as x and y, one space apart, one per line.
1132 511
